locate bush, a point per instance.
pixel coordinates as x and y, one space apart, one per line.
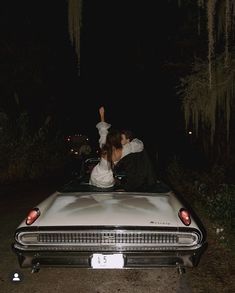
26 154
207 189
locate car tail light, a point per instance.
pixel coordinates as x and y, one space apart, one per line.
32 216
184 216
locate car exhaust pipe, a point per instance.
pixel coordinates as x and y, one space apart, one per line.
181 270
35 268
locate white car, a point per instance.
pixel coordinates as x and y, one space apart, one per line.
87 227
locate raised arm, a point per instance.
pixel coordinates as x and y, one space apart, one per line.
101 111
102 127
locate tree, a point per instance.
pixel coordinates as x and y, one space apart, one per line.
208 91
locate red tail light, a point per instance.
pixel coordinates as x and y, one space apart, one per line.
32 216
184 216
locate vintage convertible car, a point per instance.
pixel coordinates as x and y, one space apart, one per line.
88 227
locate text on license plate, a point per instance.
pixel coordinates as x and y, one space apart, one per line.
107 261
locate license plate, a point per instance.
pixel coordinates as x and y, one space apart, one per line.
107 261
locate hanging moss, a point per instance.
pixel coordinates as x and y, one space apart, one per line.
208 92
203 105
227 30
74 25
210 28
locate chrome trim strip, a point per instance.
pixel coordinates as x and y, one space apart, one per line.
109 238
111 249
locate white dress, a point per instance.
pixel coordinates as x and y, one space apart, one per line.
102 174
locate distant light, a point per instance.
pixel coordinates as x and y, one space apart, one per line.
190 132
87 139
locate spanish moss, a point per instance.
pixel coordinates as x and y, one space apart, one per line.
74 26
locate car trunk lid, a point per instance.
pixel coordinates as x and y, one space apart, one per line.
111 209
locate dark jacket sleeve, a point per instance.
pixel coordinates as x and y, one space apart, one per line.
139 175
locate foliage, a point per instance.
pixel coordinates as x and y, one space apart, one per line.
27 154
207 93
203 106
208 191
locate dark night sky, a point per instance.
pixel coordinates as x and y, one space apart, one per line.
124 48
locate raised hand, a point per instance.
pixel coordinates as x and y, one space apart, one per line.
101 111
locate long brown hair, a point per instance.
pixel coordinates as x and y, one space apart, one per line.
113 140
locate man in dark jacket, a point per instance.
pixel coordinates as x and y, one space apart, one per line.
138 172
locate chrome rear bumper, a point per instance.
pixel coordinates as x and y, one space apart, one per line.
135 259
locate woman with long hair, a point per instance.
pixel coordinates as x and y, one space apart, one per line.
114 145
